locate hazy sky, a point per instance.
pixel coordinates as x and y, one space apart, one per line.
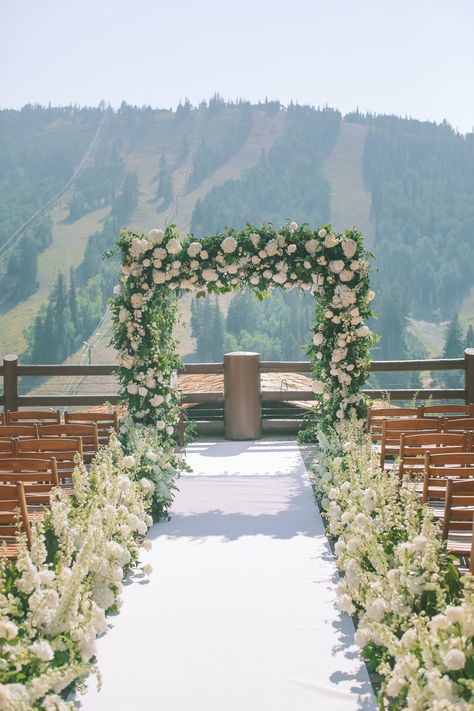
413 57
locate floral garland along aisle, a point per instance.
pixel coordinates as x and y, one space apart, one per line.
415 613
158 267
54 598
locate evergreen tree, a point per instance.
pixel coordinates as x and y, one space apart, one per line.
469 342
217 336
453 339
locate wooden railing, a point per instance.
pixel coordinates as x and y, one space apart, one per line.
12 371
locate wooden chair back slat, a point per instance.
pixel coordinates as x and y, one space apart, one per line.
9 517
413 448
393 429
458 424
87 432
459 507
440 468
105 422
25 431
31 471
32 416
376 416
6 448
447 410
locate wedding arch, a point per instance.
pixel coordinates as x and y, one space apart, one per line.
158 267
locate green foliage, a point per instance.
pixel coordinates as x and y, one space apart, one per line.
287 181
208 156
39 150
421 176
276 327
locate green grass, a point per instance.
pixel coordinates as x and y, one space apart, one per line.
350 201
66 251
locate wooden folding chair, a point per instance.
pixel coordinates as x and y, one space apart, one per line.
39 476
458 424
88 434
32 416
393 429
13 518
105 422
6 448
62 449
439 469
377 415
447 411
458 519
20 431
2 418
413 448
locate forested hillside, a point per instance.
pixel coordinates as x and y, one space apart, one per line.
227 164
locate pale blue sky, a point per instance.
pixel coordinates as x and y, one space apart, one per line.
409 57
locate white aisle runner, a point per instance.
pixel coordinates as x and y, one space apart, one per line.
239 613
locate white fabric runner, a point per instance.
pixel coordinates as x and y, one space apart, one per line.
239 613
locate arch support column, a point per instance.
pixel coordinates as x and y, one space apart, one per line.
242 404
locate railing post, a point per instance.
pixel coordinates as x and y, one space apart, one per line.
10 382
469 375
242 398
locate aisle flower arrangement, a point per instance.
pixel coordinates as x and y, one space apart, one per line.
415 614
157 267
55 598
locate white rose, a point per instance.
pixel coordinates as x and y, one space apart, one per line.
455 614
156 236
362 332
291 249
311 246
209 274
370 295
194 249
128 461
160 425
317 387
255 239
331 241
280 278
346 275
203 254
143 391
147 569
146 484
336 266
318 338
322 232
454 659
254 279
229 244
170 429
293 226
173 246
8 630
158 277
349 247
271 248
156 400
376 609
117 289
132 388
123 315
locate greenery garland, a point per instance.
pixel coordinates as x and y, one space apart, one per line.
157 268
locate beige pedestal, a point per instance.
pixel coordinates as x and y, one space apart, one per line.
242 408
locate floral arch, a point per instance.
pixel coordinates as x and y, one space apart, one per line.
159 266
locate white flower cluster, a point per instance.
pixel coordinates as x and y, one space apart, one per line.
332 267
58 597
395 578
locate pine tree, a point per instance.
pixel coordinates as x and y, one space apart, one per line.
469 342
453 339
72 298
453 348
217 334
